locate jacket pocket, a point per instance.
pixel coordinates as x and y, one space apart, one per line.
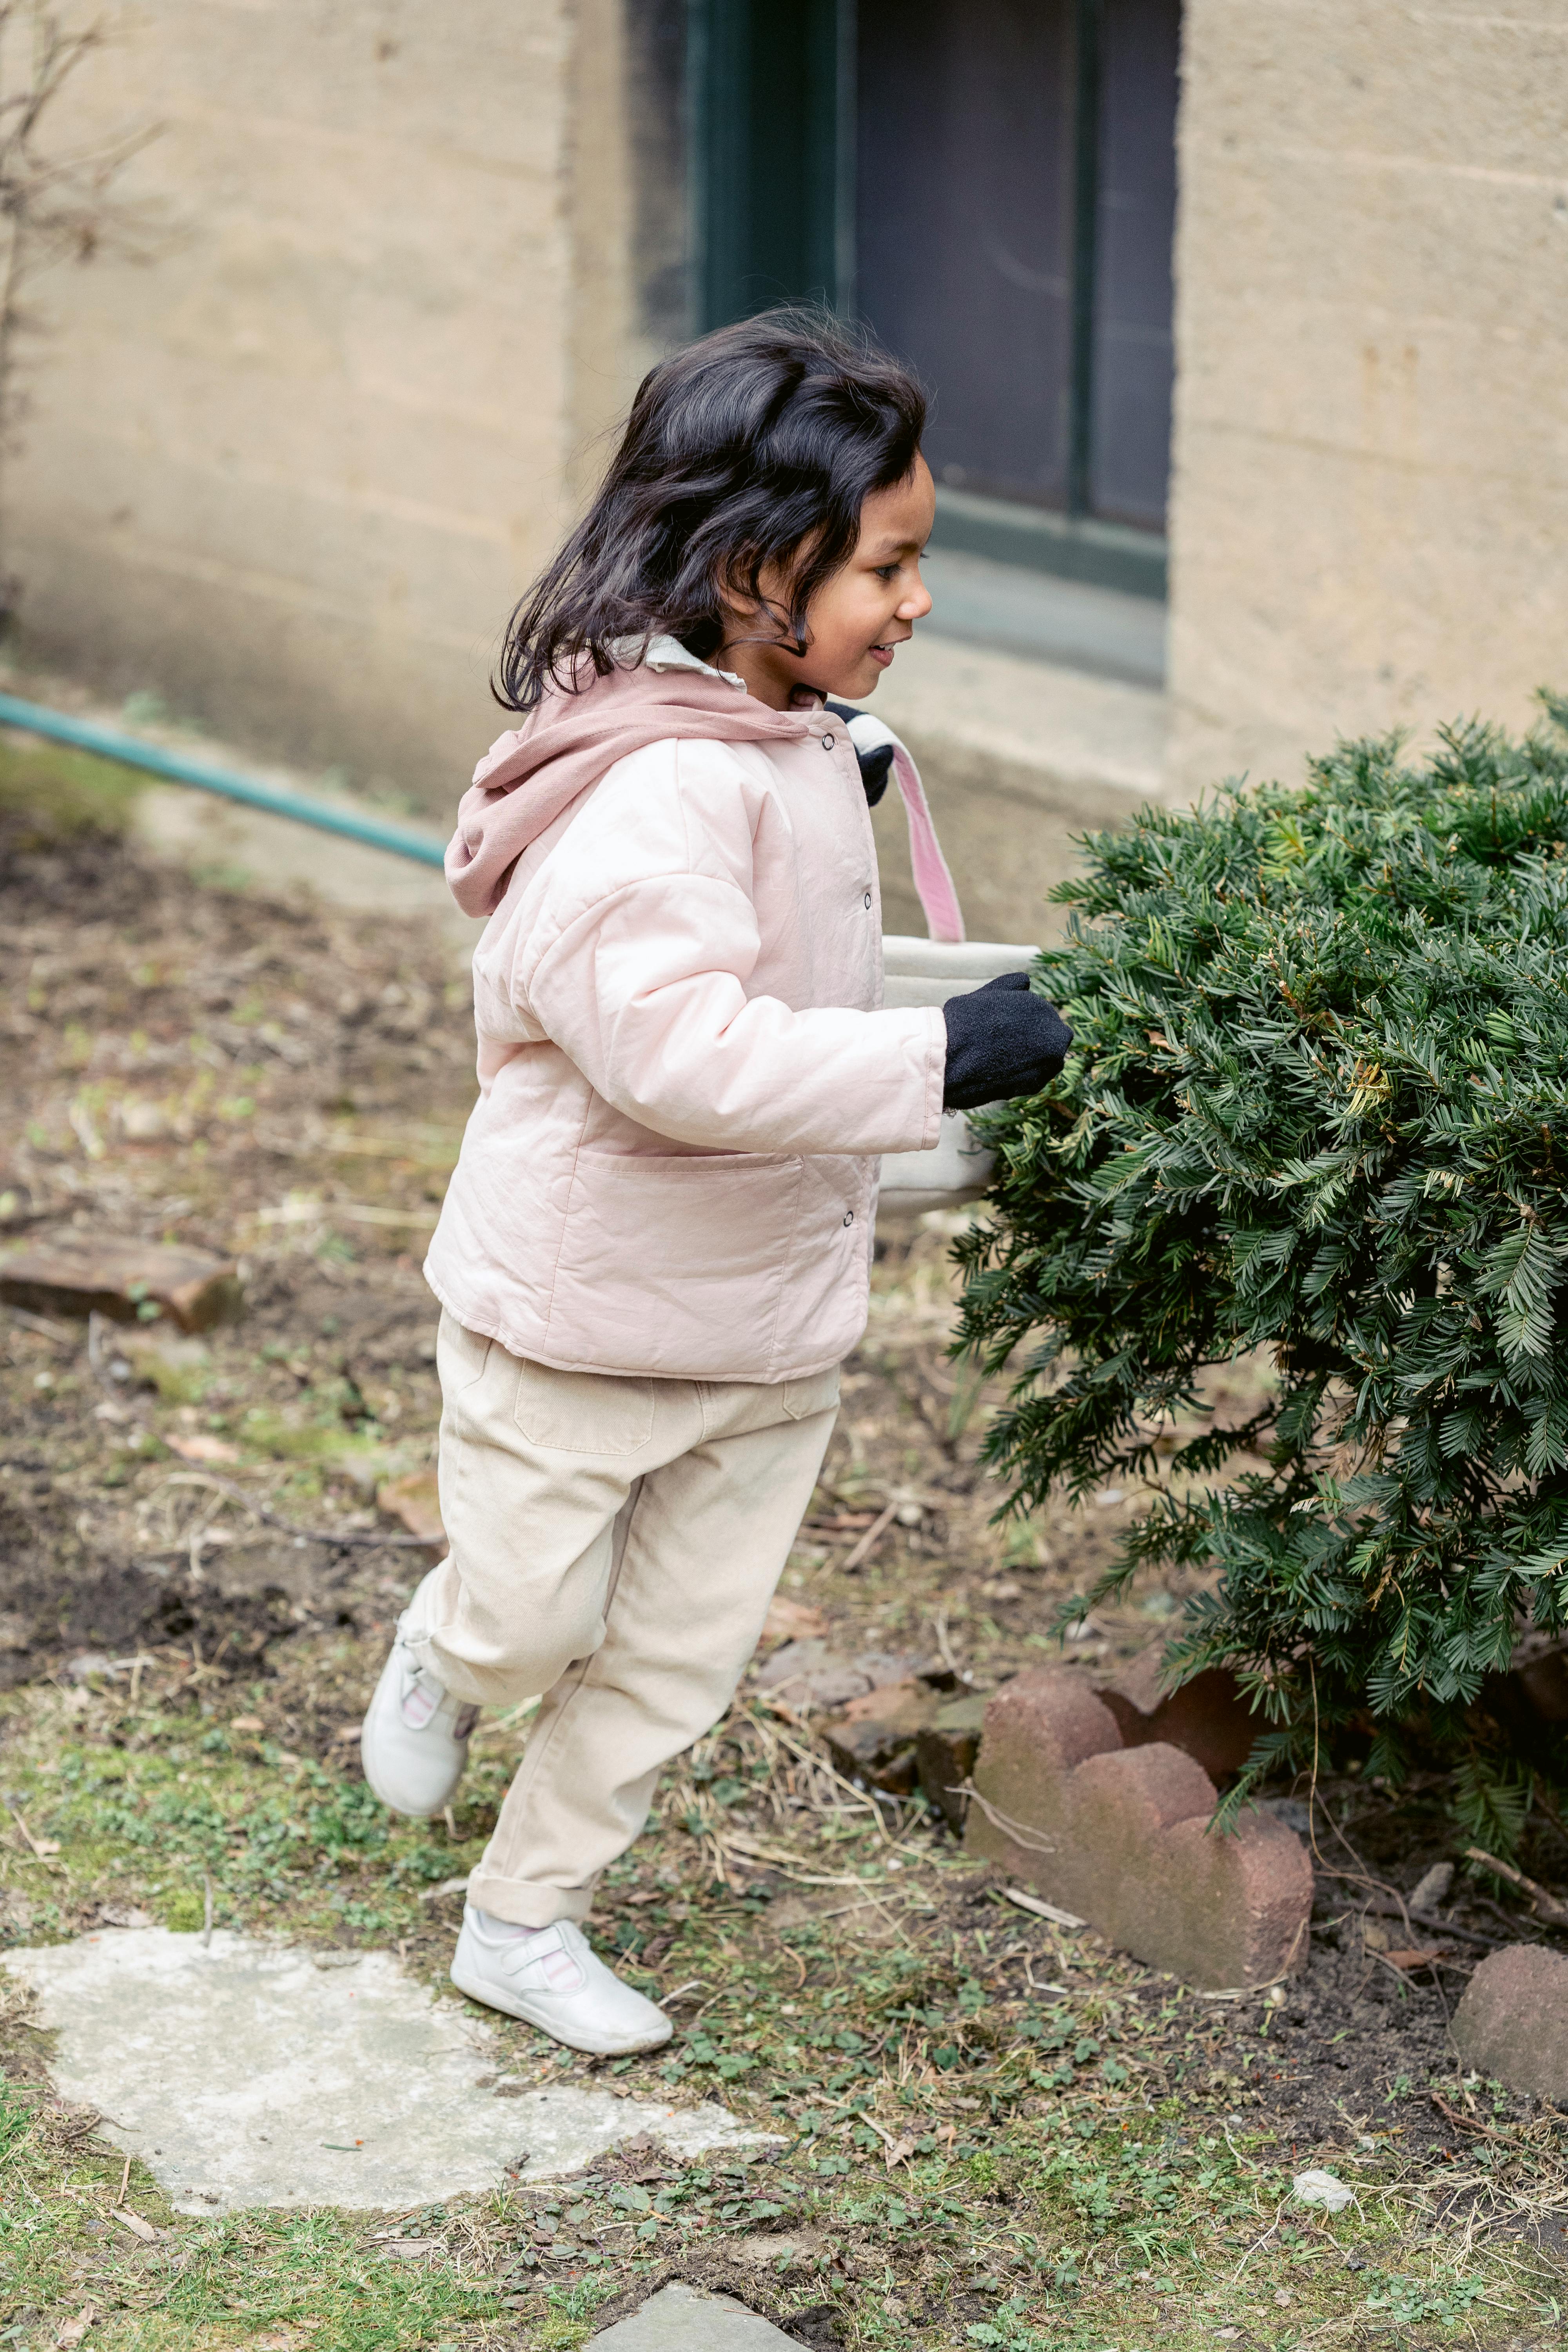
582 1412
675 1264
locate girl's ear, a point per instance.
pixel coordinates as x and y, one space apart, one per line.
754 600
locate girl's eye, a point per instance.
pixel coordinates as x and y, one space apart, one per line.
887 570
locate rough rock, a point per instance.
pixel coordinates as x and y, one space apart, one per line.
812 1674
945 1753
873 1738
119 1279
1512 2023
1121 1835
1207 1719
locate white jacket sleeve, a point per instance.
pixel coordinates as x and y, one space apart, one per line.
646 992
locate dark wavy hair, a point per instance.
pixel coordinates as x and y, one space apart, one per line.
751 449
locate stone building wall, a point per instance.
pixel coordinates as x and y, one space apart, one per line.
1370 523
409 262
290 472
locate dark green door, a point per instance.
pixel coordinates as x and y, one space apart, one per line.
771 224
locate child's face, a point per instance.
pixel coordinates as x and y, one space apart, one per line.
856 618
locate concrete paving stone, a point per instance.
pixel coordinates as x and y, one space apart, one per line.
814 1674
1512 2021
249 2074
679 2319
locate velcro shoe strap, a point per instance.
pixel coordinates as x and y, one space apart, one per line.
550 1965
420 1703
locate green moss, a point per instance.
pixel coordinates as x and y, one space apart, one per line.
48 794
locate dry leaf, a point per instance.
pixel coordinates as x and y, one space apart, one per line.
414 1502
135 2224
247 1723
1415 1959
792 1621
200 1448
73 2330
897 2151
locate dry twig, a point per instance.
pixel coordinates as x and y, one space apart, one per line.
1545 1904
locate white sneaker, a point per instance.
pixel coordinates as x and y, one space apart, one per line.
413 1741
549 1978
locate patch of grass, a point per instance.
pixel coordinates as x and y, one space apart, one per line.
48 794
942 2261
1057 2180
284 1838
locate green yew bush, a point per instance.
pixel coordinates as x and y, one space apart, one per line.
1317 1107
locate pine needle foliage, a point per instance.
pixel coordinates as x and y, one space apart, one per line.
1317 1107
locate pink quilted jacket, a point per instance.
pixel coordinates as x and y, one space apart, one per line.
685 1081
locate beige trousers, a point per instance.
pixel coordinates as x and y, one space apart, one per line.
615 1544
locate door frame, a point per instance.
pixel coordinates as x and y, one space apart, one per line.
718 152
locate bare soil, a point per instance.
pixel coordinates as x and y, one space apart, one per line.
289 1084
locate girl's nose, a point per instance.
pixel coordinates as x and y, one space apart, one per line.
917 603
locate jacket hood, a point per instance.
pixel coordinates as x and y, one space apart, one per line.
533 772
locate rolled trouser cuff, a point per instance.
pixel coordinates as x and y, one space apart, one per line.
523 1903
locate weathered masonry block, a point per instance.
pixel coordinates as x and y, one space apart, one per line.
1512 2023
1122 1836
1207 1717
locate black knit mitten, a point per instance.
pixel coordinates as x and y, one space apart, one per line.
1002 1040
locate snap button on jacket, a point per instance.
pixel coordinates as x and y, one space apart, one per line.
686 1078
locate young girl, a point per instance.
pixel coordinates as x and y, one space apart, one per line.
655 1250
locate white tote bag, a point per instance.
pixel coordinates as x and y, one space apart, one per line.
928 972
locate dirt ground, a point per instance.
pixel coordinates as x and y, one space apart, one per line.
993 2127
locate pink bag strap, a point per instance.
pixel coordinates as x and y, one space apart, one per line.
944 918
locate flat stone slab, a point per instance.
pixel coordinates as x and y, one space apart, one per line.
249 2074
679 2319
82 1276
